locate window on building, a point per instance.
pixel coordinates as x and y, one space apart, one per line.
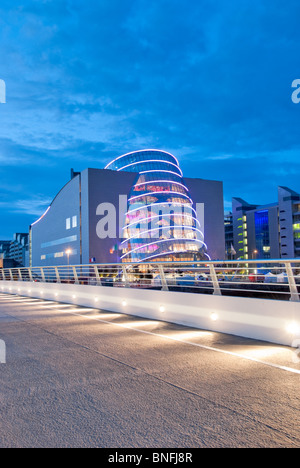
74 222
58 254
262 235
68 223
65 240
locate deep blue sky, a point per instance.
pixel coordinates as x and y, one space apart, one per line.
88 80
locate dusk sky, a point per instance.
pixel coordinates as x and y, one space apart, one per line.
87 81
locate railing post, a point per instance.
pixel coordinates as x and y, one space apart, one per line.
215 282
11 275
30 274
97 274
163 278
75 275
127 282
57 275
20 274
43 275
292 283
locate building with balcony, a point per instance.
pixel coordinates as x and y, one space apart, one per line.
16 249
4 249
269 231
229 241
289 222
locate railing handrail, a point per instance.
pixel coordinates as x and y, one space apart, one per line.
224 277
208 262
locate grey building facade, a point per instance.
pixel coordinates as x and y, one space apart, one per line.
4 249
16 249
229 241
84 222
269 231
289 222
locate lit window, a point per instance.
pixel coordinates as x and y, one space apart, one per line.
68 223
74 221
65 240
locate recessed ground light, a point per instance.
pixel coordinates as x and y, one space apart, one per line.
124 303
214 316
293 328
162 308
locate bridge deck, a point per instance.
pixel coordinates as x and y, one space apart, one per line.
78 377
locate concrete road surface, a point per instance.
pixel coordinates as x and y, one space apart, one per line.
78 377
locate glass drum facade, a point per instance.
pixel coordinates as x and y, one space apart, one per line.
161 223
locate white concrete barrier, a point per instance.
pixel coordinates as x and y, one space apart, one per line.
263 319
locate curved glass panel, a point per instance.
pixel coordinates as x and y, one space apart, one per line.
161 223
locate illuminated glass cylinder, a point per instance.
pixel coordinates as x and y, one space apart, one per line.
161 223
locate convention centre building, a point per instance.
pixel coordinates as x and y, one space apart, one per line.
139 208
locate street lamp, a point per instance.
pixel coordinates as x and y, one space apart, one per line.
255 252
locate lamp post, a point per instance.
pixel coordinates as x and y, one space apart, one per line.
255 252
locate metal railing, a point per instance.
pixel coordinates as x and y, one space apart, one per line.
272 279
